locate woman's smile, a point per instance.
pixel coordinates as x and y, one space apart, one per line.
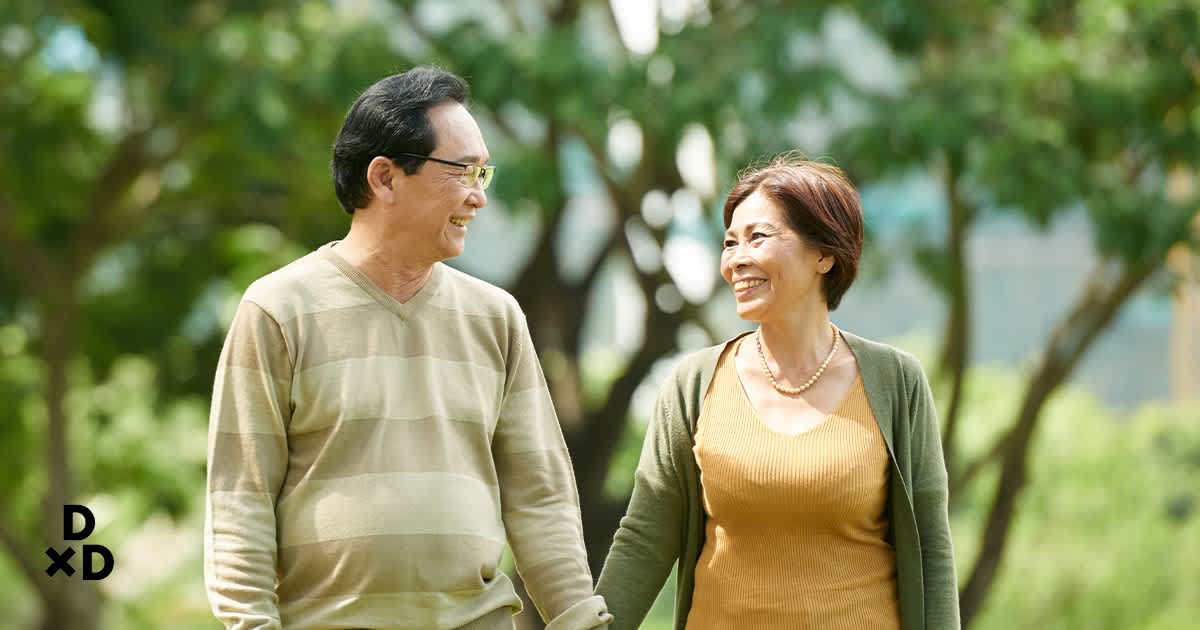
744 288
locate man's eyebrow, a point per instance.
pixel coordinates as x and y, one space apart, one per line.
469 159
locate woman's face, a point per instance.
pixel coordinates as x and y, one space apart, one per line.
770 268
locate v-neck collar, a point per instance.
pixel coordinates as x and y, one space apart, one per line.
403 310
757 416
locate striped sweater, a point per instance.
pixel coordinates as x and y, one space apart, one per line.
369 459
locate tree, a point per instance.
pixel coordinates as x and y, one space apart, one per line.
1039 110
571 74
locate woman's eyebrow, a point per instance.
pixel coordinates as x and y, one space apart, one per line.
751 226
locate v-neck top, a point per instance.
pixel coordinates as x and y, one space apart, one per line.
370 459
796 525
403 309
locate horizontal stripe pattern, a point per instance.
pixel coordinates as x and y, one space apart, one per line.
384 453
407 563
393 387
400 611
360 447
367 330
414 503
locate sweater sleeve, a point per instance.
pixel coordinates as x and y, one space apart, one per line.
930 499
538 497
646 544
247 461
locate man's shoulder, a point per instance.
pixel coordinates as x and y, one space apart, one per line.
475 296
283 291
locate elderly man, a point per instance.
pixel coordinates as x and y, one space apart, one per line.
380 424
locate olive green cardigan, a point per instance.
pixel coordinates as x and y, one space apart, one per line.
665 519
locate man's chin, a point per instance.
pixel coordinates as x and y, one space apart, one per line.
453 251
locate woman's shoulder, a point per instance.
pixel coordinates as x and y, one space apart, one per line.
885 359
682 391
699 364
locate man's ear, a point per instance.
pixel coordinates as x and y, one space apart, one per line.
381 174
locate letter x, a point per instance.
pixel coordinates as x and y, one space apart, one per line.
60 562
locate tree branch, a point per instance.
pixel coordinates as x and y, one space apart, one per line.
514 18
532 276
567 12
956 345
20 554
582 292
123 167
1068 343
30 266
962 479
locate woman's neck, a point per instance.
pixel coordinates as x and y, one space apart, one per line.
797 345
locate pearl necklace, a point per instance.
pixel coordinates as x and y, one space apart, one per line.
789 391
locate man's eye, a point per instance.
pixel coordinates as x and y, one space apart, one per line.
729 244
757 235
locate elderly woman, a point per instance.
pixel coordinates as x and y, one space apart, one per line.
794 472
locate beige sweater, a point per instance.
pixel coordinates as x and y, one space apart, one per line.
369 459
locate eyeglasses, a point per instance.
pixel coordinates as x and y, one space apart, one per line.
471 172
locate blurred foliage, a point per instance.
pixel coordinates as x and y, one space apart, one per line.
1108 534
1037 108
143 462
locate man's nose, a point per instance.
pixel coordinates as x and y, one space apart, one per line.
477 198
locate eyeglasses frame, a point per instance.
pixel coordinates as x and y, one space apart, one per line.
472 174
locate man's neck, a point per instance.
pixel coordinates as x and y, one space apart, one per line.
383 261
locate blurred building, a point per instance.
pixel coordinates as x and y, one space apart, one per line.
1185 325
1023 281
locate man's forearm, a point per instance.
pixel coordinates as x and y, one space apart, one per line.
239 562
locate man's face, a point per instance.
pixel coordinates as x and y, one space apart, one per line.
436 204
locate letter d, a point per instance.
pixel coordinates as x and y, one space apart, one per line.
89 522
88 573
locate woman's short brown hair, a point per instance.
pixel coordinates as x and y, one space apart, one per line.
820 204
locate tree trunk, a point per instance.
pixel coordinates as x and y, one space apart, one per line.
956 345
67 602
1068 343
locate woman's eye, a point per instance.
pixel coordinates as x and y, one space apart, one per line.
757 235
729 244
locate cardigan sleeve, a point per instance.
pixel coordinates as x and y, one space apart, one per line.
930 499
648 538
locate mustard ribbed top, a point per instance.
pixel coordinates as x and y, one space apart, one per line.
796 525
